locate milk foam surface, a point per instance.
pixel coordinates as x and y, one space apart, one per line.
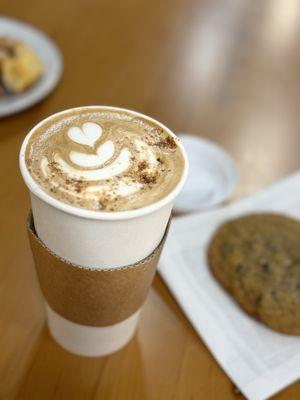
103 159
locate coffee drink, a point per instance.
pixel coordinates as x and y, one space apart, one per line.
104 159
82 166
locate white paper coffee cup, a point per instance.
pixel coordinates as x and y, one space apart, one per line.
97 239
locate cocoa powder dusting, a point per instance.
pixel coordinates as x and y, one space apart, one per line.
78 186
142 165
147 179
167 143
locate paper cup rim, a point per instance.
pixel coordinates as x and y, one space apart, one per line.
36 189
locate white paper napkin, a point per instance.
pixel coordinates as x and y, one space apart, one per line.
259 361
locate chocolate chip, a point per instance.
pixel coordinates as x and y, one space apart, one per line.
264 264
240 268
258 299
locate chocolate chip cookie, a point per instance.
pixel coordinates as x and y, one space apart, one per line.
256 258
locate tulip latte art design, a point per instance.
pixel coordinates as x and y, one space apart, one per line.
102 159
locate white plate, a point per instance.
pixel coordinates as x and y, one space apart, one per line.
51 59
212 178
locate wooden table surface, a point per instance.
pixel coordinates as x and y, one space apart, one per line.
224 69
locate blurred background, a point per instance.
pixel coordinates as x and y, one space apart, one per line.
226 70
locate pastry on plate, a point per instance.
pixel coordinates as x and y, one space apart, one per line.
256 258
20 66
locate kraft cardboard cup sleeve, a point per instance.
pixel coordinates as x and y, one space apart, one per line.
93 297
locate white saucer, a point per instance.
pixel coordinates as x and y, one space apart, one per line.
48 53
212 178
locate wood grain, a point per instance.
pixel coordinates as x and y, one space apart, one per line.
225 69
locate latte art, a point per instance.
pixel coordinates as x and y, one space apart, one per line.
104 160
